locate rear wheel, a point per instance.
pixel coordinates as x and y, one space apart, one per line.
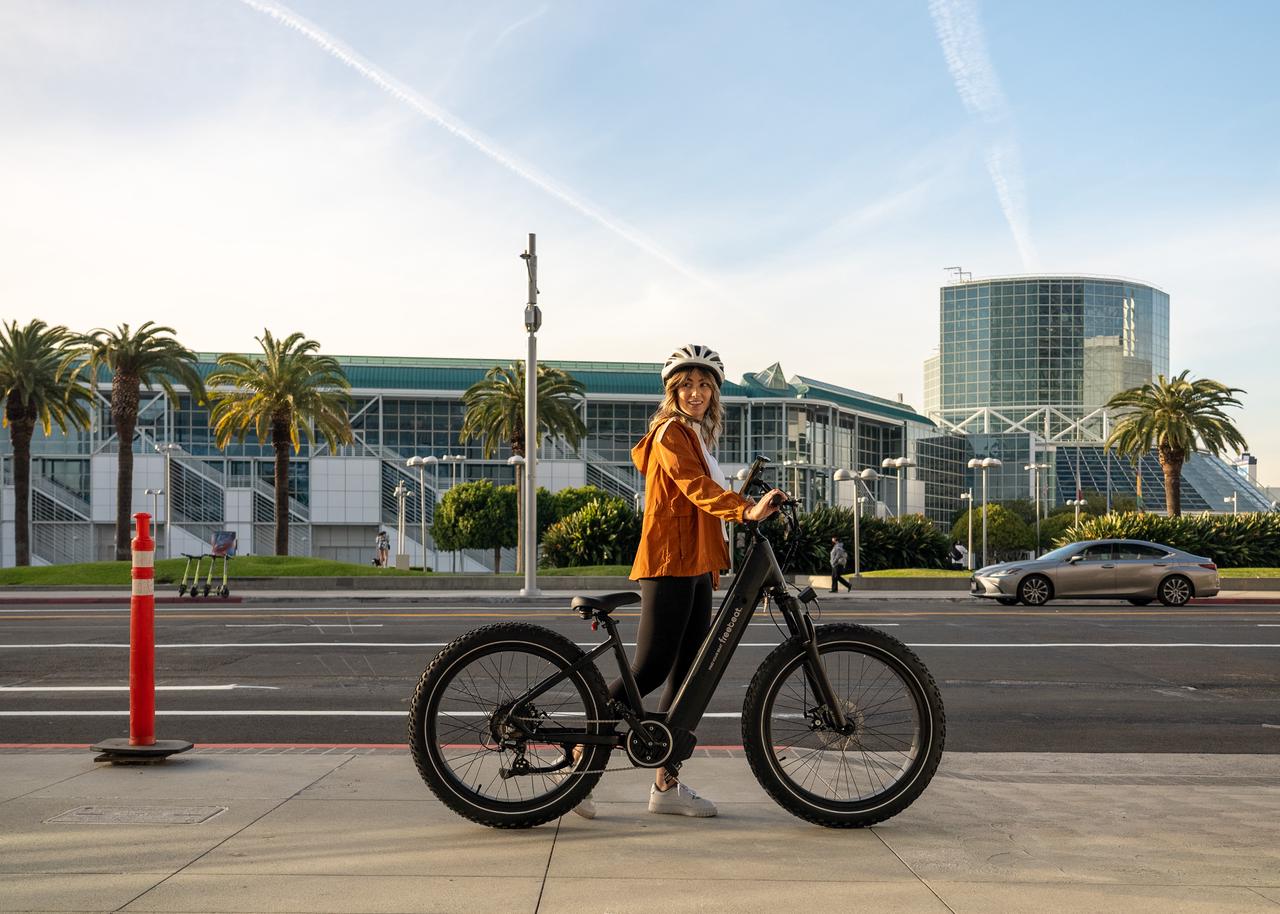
465 726
1175 590
871 771
1035 590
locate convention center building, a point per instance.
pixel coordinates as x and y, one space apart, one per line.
1024 368
412 407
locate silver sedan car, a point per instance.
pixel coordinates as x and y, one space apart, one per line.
1131 570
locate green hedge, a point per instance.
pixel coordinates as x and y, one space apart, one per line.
1231 540
604 531
908 542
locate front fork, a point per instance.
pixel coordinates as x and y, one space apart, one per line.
801 627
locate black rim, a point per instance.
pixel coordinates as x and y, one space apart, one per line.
867 768
460 731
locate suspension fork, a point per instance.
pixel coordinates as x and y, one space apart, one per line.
801 627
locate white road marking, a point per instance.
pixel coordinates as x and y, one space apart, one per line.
302 625
274 713
163 688
1272 726
193 645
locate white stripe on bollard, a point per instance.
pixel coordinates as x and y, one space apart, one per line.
144 587
144 560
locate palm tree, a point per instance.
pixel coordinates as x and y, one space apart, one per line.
150 357
1173 416
286 390
35 389
495 414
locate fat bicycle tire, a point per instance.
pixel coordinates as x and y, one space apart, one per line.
475 661
874 751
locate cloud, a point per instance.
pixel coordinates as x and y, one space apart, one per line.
964 47
519 24
456 126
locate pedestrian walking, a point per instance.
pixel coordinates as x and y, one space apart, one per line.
382 546
839 558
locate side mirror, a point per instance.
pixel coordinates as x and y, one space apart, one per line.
1075 558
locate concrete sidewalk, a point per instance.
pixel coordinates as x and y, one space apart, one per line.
11 597
355 830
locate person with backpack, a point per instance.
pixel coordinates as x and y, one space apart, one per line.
839 558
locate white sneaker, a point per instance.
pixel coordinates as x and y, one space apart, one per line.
680 801
586 806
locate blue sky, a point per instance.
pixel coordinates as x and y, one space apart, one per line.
782 182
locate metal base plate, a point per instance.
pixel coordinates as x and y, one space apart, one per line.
121 752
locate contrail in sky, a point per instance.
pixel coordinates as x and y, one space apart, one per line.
965 49
459 129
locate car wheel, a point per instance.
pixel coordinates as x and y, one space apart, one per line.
1140 601
1174 590
1007 601
1035 590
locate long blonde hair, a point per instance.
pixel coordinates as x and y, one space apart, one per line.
712 420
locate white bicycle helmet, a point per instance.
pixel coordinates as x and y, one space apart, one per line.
694 356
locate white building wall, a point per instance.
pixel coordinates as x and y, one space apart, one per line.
148 473
345 490
239 508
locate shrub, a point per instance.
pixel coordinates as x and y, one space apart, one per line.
476 515
604 531
909 542
1231 540
1008 535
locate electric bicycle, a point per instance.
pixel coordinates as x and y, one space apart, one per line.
842 724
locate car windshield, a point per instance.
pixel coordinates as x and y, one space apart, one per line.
1061 553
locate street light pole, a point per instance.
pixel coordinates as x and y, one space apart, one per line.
968 558
421 463
901 464
985 464
155 508
1234 500
168 449
861 478
532 321
1034 469
518 462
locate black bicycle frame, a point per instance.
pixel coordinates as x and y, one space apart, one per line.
759 575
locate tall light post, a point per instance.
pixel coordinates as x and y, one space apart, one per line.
168 449
518 462
453 460
401 492
421 464
795 476
985 464
155 508
1077 503
532 321
1034 469
900 464
1234 500
863 477
968 558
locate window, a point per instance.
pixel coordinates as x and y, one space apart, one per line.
1098 553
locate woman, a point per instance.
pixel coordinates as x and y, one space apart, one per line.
682 543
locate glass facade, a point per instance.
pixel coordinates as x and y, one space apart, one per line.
1049 340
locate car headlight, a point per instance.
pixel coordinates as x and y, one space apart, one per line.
1005 572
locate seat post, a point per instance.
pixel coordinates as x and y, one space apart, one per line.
624 664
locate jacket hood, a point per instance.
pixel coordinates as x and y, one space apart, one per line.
643 451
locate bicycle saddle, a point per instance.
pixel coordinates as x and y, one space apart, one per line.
589 606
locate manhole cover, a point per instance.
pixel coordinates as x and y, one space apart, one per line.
136 815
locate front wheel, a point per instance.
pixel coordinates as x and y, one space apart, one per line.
877 766
1174 590
467 725
1035 590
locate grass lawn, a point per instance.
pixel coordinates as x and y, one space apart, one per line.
1249 572
169 571
915 573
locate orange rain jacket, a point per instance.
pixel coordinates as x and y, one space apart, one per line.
681 536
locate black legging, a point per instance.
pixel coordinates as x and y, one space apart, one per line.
675 614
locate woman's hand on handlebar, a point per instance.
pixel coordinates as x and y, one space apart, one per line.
765 507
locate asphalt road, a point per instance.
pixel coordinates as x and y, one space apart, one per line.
1065 678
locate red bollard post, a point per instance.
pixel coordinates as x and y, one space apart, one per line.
142 745
142 637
